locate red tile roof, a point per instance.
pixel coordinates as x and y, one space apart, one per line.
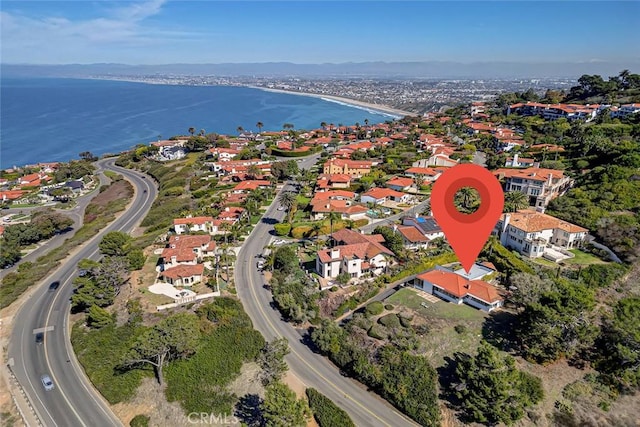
400 182
199 220
460 287
535 174
412 234
183 270
381 193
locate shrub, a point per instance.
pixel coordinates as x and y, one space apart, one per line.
334 289
460 329
388 306
282 229
327 413
375 331
300 231
374 308
405 321
173 191
140 421
360 223
390 320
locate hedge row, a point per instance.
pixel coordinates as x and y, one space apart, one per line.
327 413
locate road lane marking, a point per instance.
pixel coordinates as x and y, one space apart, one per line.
45 329
293 351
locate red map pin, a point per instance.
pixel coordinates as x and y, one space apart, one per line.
467 233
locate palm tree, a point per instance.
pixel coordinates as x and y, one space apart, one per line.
259 125
240 129
469 198
253 171
366 122
316 227
514 201
192 130
288 199
202 132
323 125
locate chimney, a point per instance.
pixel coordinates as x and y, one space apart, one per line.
515 160
226 209
335 253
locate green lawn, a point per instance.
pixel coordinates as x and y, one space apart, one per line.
440 310
583 258
442 317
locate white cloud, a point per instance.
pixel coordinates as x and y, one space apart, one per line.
56 39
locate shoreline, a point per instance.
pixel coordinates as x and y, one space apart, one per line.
387 110
378 108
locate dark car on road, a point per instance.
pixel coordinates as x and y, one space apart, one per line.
39 338
54 286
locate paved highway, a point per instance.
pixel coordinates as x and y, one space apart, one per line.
74 401
314 370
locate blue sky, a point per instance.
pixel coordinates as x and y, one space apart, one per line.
161 32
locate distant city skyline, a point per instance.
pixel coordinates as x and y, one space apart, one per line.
198 32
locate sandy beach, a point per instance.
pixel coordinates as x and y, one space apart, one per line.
385 109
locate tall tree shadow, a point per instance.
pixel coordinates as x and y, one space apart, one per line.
248 410
500 330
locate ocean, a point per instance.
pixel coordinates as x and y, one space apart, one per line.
43 120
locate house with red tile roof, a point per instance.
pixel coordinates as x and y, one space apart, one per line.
418 231
224 154
533 234
378 196
332 181
33 180
556 111
519 162
11 195
353 168
196 223
321 209
362 254
183 275
539 184
231 214
400 183
428 174
251 185
454 288
187 249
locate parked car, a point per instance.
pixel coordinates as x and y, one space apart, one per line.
54 286
47 383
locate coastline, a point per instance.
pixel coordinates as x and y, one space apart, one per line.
378 108
395 113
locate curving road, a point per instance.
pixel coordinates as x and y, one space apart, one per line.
74 401
314 370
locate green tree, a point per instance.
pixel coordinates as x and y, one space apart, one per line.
327 413
173 337
192 130
490 389
392 239
115 243
288 199
136 259
281 408
514 201
560 324
271 360
99 317
619 345
259 125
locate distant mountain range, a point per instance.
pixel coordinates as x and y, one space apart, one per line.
415 70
